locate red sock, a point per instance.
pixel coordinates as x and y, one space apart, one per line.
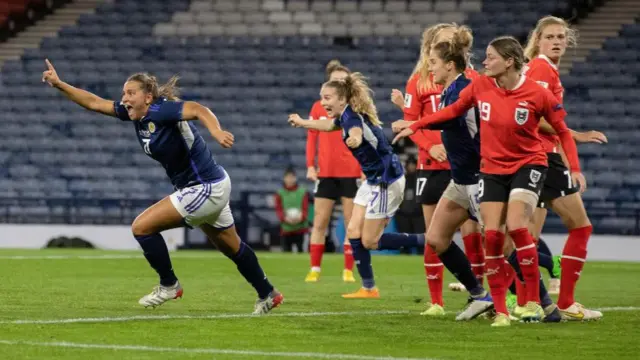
495 269
348 257
574 255
528 259
510 274
475 253
434 269
316 251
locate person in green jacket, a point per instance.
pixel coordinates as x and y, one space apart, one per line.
292 208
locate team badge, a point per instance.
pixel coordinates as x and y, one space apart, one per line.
521 116
534 176
152 127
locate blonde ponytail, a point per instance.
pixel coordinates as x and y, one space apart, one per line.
356 91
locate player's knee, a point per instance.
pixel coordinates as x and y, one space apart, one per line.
370 243
354 232
138 228
437 243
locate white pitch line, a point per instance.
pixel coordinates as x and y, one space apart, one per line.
212 255
201 317
619 308
206 351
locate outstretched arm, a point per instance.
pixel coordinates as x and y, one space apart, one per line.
320 125
192 110
81 97
581 137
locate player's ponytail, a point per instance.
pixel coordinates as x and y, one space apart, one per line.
532 50
170 89
456 50
335 65
509 48
356 91
149 84
422 70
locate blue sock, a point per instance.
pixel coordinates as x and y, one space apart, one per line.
457 263
545 261
544 248
545 300
392 241
362 257
249 267
155 251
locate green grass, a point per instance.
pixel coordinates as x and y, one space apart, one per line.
43 289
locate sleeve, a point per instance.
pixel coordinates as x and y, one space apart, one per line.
545 78
554 113
458 108
412 106
312 141
426 139
121 111
169 112
277 200
305 207
348 122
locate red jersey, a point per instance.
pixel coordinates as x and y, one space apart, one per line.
509 121
334 158
471 74
418 104
543 71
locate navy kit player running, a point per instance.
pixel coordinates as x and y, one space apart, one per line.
202 186
349 102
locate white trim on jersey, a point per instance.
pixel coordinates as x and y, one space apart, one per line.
367 134
520 82
187 134
545 57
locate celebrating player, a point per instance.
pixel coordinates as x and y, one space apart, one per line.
546 45
421 98
513 162
202 186
349 103
336 179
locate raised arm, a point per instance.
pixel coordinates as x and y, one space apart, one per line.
320 125
192 110
81 97
458 108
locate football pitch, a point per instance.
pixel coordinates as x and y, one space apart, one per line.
82 304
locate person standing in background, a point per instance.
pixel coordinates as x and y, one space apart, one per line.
292 208
409 218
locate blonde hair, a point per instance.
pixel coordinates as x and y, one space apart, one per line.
149 84
429 36
356 91
456 49
532 50
335 65
509 48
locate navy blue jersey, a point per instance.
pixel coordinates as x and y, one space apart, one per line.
375 154
174 143
460 137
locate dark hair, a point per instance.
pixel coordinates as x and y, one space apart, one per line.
455 50
335 65
509 48
290 170
149 84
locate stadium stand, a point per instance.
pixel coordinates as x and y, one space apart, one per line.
252 62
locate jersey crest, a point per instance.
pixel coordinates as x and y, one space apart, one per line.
534 176
521 116
152 127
